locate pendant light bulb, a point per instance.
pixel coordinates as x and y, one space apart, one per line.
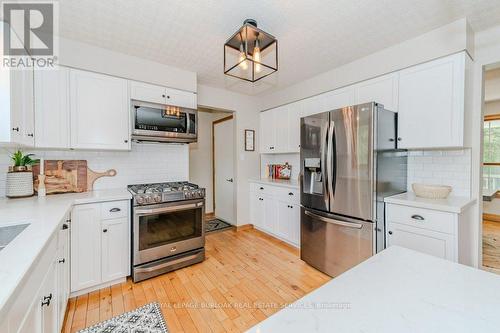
256 55
242 58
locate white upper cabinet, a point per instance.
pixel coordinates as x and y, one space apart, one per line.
267 132
335 99
294 115
100 111
52 121
146 92
431 104
185 99
281 128
382 90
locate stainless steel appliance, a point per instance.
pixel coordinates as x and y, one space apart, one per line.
163 123
167 227
349 163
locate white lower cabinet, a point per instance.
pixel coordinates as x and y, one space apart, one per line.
100 244
41 304
438 233
276 210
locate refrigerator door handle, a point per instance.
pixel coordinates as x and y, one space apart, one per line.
329 162
324 150
337 222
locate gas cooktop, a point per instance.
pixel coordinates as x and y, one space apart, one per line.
147 194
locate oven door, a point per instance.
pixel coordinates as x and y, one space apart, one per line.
163 122
164 230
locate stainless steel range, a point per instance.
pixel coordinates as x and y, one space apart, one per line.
167 227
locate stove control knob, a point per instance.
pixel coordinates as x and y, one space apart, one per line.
157 198
150 199
187 195
140 200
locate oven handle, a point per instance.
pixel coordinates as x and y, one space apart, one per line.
168 263
168 209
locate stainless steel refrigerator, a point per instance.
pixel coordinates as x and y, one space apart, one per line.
349 164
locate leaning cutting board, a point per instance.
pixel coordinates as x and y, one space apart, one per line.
92 176
63 176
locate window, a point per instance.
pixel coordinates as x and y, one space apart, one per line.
491 157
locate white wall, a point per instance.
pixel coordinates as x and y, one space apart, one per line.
246 116
88 57
146 163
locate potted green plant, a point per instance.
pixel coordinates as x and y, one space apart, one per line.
20 175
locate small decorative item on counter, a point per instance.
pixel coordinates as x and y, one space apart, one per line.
20 176
431 191
279 171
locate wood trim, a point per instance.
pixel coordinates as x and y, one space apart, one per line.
491 217
491 117
244 227
215 122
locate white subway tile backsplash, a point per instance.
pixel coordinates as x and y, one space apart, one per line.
446 167
145 163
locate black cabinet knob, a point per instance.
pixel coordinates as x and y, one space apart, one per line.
163 95
400 139
390 232
62 261
64 226
126 141
168 96
31 134
104 230
261 188
391 140
290 193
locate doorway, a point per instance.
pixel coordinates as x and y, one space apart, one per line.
212 164
491 170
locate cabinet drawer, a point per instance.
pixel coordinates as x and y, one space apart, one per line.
287 194
114 209
261 188
422 218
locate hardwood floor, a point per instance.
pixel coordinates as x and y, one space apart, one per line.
246 277
491 245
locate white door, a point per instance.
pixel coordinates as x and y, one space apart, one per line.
52 108
431 101
426 241
114 248
85 246
99 111
224 170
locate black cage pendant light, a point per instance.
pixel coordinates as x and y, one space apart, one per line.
250 54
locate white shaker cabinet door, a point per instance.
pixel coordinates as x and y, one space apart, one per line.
115 249
382 90
281 129
185 99
257 210
52 121
99 111
423 240
294 115
431 104
146 92
336 99
267 132
85 246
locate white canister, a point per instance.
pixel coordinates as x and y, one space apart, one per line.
19 184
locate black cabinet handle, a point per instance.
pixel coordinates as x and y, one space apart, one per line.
46 300
64 226
31 134
62 261
261 199
15 129
390 232
417 217
114 210
290 193
104 230
261 188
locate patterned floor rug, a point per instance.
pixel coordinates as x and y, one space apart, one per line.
146 319
216 225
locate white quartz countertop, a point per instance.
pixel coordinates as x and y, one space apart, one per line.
397 290
290 183
451 204
44 215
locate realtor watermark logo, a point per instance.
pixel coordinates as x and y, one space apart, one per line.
30 34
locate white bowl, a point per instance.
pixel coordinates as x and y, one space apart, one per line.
431 191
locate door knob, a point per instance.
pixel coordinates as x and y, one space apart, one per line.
229 180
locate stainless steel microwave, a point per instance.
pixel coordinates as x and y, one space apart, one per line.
163 123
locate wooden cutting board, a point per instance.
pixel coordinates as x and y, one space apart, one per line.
92 176
63 176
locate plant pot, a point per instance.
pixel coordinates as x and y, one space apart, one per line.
21 168
19 184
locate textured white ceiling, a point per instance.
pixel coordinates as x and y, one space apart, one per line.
314 36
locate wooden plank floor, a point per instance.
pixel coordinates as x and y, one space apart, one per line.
491 245
246 277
